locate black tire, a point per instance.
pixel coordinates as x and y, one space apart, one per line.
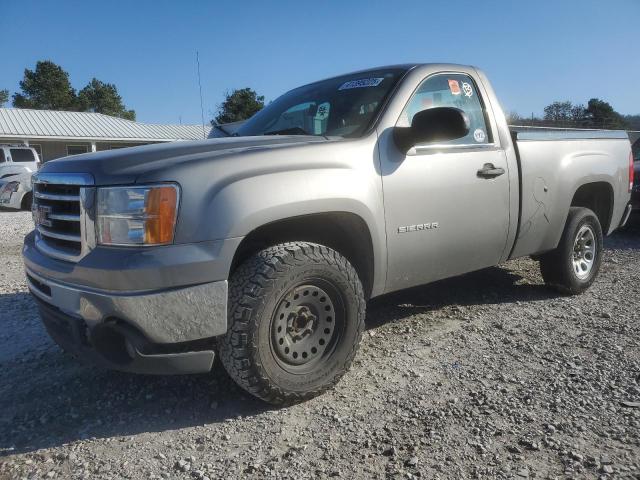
557 267
322 297
27 200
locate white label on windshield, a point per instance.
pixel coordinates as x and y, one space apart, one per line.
362 83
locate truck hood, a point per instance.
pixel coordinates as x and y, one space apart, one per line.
130 165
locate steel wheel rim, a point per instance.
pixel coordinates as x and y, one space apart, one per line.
584 252
306 326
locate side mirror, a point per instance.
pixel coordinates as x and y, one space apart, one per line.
439 124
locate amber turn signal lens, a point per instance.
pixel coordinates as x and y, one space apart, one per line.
160 208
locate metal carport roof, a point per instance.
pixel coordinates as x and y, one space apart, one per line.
53 124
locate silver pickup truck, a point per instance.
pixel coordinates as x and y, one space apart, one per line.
264 247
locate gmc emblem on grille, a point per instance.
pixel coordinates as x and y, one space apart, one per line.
41 215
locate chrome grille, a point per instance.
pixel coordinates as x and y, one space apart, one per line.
60 203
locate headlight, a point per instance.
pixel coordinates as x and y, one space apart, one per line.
137 215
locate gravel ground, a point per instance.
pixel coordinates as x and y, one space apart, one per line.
489 375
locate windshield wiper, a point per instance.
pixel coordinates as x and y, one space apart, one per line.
288 131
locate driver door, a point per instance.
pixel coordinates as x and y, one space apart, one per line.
443 216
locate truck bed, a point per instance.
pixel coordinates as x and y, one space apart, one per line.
551 161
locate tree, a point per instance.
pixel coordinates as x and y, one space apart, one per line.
46 88
239 105
601 114
102 97
565 113
560 111
578 113
4 97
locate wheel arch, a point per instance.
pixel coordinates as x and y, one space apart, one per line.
25 202
345 232
599 198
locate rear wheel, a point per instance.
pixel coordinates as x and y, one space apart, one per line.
573 266
296 313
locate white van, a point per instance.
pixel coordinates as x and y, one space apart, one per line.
17 163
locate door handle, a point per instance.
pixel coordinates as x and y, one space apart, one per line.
490 171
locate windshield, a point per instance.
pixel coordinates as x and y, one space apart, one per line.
342 106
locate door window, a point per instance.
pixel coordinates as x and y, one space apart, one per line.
2 159
451 90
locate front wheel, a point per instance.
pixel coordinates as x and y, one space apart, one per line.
573 266
296 314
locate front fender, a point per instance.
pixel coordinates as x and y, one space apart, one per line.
232 197
249 203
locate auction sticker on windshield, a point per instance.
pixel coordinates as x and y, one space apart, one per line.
362 83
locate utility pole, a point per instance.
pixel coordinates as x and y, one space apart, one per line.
204 135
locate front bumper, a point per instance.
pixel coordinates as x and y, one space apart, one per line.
150 311
116 349
163 332
169 316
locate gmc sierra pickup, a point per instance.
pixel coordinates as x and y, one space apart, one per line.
264 247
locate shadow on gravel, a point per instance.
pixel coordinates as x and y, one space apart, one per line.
72 402
627 238
489 286
49 398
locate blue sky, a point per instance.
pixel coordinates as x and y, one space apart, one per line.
534 52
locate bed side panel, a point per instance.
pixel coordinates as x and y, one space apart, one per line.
552 171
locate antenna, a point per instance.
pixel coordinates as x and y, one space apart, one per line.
204 135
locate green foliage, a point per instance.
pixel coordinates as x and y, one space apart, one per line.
600 114
102 97
46 87
597 114
4 97
564 112
239 105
